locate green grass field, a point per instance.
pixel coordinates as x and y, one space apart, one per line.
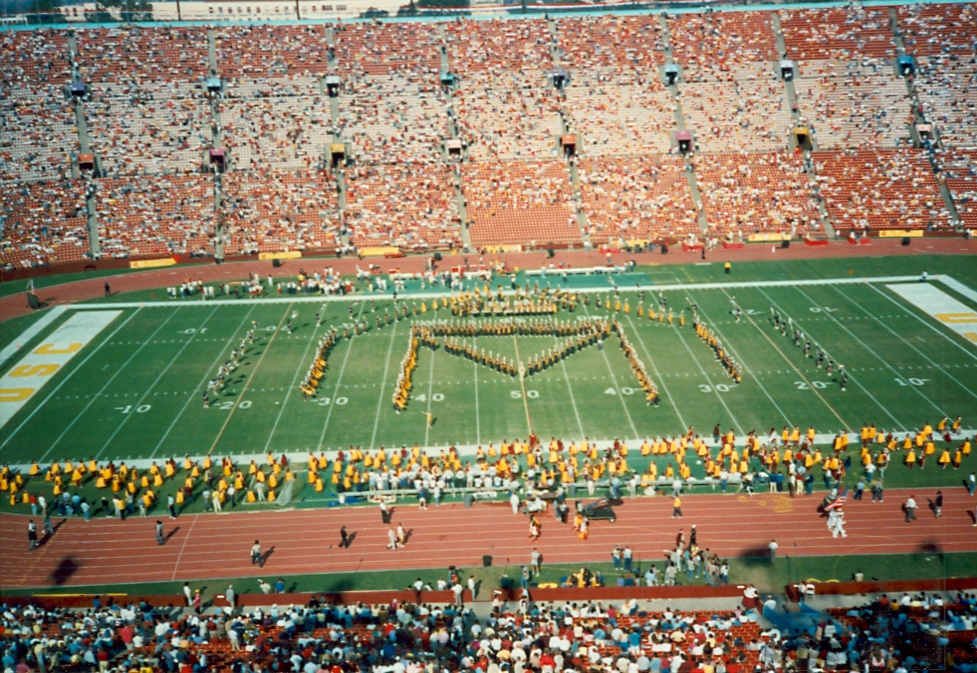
135 391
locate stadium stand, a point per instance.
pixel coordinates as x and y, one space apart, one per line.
390 119
723 46
880 189
750 193
147 114
142 58
612 50
863 111
409 50
248 52
156 216
580 636
139 134
737 116
410 206
523 202
853 37
959 171
267 211
636 198
44 221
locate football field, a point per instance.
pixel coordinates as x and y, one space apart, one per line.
132 388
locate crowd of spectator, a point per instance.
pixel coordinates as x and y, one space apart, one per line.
880 189
901 634
723 46
398 636
267 210
148 113
612 50
745 115
636 198
757 192
524 202
959 173
389 119
407 205
44 221
156 215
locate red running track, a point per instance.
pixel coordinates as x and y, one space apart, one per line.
211 546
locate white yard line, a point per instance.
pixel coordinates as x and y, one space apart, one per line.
247 383
573 401
729 346
145 394
873 352
617 388
13 347
659 380
430 393
107 383
383 384
288 393
478 421
65 380
851 376
923 321
176 566
207 374
339 378
712 385
921 353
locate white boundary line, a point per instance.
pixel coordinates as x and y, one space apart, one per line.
207 373
288 393
304 298
911 313
154 383
106 385
573 401
32 330
957 286
65 380
430 393
478 420
709 380
176 566
873 352
921 353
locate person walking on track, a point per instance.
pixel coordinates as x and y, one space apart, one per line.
910 508
32 535
344 541
256 554
159 532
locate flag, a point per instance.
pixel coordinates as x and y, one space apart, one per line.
838 502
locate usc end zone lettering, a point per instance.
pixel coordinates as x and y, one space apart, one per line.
37 367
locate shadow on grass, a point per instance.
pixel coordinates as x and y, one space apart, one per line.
755 556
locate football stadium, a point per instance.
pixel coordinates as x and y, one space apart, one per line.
454 336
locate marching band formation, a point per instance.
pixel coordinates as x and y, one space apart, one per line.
514 315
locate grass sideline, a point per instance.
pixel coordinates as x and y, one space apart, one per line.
766 576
